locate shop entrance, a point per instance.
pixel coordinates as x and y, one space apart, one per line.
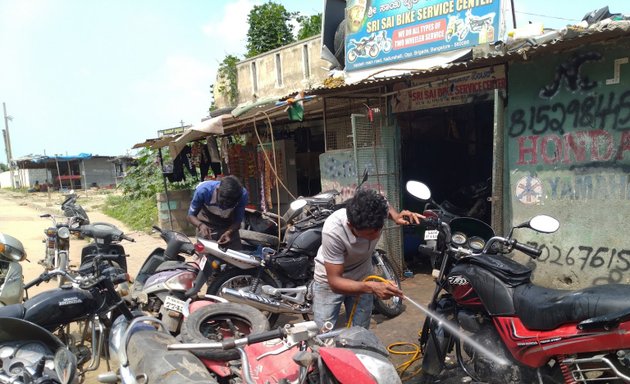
450 150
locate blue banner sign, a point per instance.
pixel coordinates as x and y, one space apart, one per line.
380 32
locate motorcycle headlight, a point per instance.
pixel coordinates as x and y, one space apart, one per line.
458 238
11 248
63 233
181 282
476 243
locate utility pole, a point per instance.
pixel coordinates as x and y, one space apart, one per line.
7 142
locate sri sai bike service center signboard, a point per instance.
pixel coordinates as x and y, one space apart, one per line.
380 32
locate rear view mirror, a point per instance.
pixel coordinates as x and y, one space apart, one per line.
544 224
418 190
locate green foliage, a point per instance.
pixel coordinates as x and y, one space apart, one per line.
309 26
3 167
268 28
139 214
228 79
144 179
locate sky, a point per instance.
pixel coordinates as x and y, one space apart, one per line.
98 76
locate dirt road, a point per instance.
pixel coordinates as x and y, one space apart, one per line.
19 217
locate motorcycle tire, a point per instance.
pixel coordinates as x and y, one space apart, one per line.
257 238
394 306
214 322
238 279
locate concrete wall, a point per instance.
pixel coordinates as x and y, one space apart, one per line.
5 179
300 68
99 171
567 133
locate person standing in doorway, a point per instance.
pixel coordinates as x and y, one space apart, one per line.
217 210
344 259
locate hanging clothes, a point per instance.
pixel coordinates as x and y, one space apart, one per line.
215 157
201 156
183 160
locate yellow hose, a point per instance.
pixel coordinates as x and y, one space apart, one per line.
415 349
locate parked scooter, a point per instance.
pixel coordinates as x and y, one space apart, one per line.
297 353
542 335
29 354
107 238
167 283
11 280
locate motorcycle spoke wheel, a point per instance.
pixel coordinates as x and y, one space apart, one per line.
218 321
383 268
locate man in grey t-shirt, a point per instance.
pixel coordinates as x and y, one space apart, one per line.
344 259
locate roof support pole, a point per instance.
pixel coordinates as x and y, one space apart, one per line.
170 217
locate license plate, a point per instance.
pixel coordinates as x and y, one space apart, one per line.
431 234
173 304
202 262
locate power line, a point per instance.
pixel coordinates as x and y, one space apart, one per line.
550 17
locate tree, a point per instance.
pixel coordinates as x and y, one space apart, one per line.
309 26
3 167
268 28
227 79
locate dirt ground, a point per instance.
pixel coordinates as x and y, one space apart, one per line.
19 217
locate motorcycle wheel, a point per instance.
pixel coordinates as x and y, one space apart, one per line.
215 322
352 55
383 268
257 238
239 279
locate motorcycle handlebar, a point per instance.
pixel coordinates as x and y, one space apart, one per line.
530 251
125 237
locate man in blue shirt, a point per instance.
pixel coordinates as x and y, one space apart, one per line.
217 210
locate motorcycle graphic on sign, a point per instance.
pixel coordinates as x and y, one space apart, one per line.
370 46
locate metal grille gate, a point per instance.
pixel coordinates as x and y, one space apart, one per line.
374 150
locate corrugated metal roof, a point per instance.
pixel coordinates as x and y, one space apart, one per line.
500 52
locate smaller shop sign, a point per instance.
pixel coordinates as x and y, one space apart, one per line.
442 92
380 32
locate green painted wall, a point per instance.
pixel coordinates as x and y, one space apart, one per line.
567 129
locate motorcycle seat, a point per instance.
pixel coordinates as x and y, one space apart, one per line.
171 265
545 309
14 311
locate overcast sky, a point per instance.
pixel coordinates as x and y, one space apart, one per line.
98 76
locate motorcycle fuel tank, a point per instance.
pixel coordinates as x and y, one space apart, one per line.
59 306
306 242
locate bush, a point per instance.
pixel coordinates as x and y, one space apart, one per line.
139 214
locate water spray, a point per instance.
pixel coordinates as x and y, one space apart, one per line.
458 333
453 329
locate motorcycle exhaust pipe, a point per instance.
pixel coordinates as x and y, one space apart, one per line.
263 303
238 259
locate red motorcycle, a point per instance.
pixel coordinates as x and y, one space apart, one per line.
484 301
298 353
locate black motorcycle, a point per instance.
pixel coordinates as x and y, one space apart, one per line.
29 354
87 304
